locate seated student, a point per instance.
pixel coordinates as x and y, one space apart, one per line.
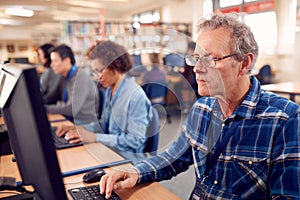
156 74
244 142
49 81
127 110
79 97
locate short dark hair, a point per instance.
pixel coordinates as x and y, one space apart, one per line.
64 51
112 55
45 48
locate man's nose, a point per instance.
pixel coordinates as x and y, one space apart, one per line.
199 68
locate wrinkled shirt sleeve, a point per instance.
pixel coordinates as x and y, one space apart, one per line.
173 161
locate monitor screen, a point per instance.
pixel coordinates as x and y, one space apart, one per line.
29 131
174 60
23 60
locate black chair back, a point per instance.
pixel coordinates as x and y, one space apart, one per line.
152 134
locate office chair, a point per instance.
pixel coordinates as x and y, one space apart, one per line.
157 93
152 134
265 75
101 92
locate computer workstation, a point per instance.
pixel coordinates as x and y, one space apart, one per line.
46 172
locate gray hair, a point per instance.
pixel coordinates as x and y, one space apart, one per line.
243 41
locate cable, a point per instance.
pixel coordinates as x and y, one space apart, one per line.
13 188
9 183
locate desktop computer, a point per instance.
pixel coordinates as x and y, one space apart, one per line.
30 138
29 132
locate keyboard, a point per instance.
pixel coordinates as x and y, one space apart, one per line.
61 142
90 192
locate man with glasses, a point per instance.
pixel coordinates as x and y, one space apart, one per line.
243 141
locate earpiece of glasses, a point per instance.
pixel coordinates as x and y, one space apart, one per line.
207 61
97 72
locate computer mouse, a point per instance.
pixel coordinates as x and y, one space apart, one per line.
93 176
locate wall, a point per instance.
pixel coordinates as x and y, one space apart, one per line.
15 34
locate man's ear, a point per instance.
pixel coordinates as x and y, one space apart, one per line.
67 60
246 64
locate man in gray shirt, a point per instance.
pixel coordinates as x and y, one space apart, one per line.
79 96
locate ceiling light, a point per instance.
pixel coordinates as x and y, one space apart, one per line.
19 12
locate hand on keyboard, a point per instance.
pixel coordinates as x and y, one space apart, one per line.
69 133
62 130
80 134
90 192
117 179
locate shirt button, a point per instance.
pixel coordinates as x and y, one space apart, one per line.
215 182
250 162
223 124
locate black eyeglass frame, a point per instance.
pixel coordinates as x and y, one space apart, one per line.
190 59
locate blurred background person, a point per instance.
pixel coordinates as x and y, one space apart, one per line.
49 81
189 87
155 84
79 98
156 74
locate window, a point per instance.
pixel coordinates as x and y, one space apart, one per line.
256 14
265 37
227 3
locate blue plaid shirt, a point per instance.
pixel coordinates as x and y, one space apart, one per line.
260 161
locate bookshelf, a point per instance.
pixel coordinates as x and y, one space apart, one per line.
172 37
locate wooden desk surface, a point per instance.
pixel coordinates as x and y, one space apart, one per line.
56 117
87 156
284 87
290 88
51 117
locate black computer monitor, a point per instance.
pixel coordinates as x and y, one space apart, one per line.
174 60
29 131
23 60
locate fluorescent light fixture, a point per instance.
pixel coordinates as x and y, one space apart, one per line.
136 25
19 12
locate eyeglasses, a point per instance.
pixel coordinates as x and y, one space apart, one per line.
98 72
207 61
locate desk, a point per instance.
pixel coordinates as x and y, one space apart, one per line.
290 88
87 156
56 117
51 118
